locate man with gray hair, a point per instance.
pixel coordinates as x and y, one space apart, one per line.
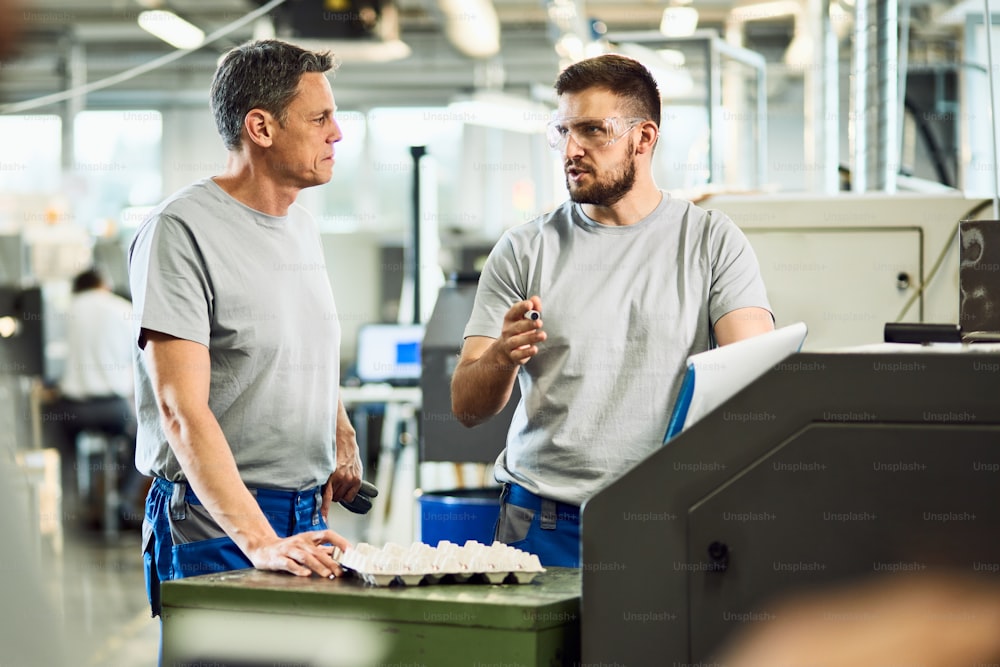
237 358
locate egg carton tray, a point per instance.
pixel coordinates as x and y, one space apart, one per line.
419 563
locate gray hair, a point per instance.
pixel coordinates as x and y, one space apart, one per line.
260 75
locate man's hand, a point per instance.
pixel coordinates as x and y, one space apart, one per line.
345 481
302 554
519 337
484 378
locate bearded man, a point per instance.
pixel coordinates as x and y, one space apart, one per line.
628 282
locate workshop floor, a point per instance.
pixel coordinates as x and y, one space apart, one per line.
99 592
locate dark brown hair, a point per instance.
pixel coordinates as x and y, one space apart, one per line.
623 76
90 279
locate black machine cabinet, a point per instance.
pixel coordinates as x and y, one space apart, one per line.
442 438
979 276
828 468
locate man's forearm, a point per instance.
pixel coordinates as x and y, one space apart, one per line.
209 467
181 375
345 480
480 388
345 430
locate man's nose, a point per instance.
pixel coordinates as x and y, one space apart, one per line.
572 146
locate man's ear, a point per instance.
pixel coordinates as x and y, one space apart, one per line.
259 125
647 140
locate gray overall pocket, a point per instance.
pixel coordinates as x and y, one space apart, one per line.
513 523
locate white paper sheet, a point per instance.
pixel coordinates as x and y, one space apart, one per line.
714 376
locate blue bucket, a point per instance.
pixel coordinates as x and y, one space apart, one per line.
459 515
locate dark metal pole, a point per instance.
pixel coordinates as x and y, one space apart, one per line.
416 152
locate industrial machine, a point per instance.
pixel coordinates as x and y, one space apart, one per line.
828 468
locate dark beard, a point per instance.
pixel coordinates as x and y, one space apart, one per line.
606 192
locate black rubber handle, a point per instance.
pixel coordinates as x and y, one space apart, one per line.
363 500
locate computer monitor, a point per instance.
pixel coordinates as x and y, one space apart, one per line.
390 353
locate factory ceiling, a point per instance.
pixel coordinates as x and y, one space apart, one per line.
69 43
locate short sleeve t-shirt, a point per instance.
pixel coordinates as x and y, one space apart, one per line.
623 308
253 289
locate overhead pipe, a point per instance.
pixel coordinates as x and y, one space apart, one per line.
874 92
887 74
988 23
857 129
820 131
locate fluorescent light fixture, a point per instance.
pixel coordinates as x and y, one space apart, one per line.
171 28
679 21
472 27
765 10
563 15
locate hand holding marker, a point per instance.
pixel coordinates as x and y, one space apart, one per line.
530 334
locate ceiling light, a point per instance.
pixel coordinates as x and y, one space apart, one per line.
8 326
679 21
171 28
472 27
765 10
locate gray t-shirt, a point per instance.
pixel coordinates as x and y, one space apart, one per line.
623 308
254 289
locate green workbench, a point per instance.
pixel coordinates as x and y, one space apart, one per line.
250 617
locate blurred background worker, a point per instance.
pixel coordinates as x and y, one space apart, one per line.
95 396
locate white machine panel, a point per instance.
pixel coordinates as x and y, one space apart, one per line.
844 283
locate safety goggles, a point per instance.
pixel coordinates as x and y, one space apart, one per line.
588 133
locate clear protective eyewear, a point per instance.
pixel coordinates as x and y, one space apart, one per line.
588 133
